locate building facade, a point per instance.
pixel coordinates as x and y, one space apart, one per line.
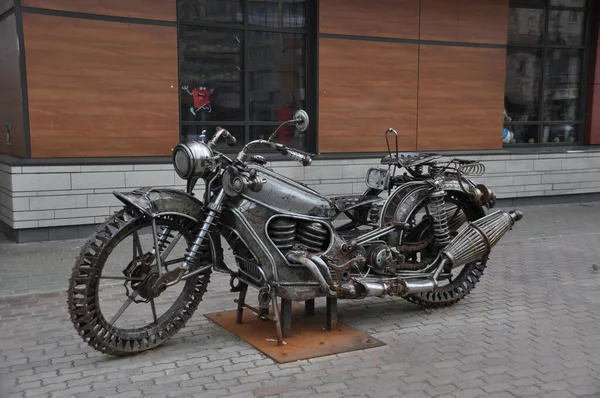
95 94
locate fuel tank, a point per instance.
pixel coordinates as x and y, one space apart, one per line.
283 194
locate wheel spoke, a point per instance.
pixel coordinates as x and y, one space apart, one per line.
122 278
137 246
123 308
153 310
174 261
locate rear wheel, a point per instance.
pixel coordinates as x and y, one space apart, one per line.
460 281
135 315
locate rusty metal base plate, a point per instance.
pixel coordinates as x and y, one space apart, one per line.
309 337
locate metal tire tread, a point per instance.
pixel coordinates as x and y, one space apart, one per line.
83 302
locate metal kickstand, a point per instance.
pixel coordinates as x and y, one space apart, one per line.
277 319
241 301
331 316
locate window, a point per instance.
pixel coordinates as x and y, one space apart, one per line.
545 71
243 65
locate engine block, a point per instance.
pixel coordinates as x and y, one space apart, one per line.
288 232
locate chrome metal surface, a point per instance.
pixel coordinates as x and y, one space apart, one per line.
282 232
456 217
296 258
252 270
302 120
313 236
284 238
377 178
440 221
324 268
362 288
477 239
285 195
192 159
300 229
157 248
190 257
420 286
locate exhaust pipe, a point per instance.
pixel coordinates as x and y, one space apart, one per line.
455 218
303 261
471 244
398 287
477 239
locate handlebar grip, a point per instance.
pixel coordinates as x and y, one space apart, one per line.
227 136
304 159
230 139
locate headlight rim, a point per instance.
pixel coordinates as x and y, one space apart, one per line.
197 154
190 161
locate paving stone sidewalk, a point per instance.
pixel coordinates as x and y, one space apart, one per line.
530 328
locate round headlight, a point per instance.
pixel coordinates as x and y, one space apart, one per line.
192 160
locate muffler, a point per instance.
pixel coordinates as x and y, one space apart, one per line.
356 289
473 243
456 217
476 240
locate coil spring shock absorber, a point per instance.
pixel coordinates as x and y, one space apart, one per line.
164 239
210 221
438 214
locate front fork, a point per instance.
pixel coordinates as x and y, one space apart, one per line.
174 276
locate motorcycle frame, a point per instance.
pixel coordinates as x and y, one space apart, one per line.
156 203
269 268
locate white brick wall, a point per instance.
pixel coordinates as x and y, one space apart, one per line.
47 196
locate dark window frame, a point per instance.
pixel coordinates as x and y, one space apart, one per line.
545 47
310 32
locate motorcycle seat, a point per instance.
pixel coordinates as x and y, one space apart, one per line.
409 159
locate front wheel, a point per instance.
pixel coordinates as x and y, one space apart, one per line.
118 263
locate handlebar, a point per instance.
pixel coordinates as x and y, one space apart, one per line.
221 132
305 159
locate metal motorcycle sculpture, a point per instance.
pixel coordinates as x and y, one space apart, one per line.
428 241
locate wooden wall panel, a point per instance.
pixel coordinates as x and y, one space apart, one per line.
461 98
481 21
99 88
163 10
382 18
11 100
365 88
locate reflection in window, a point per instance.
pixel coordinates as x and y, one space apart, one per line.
211 78
526 26
563 77
241 61
215 11
523 79
521 134
566 27
560 133
544 72
568 3
276 74
277 13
